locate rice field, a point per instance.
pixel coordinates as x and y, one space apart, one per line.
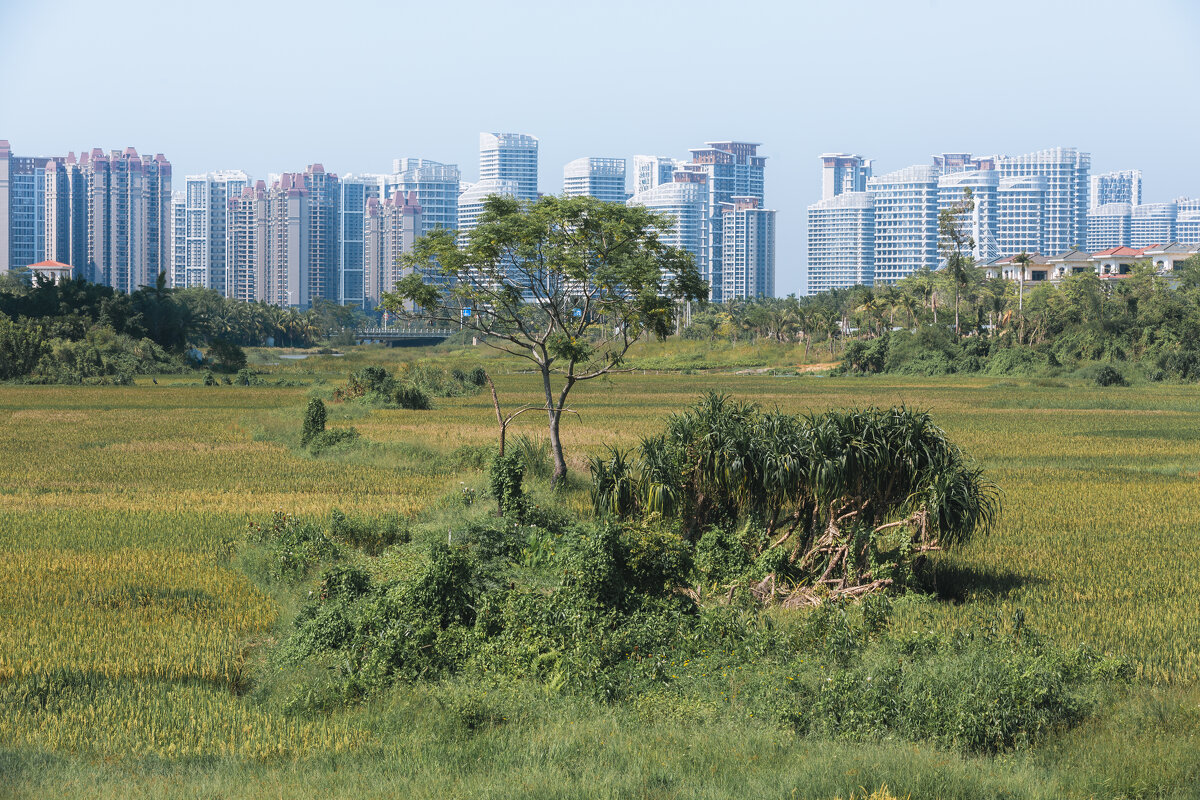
127 632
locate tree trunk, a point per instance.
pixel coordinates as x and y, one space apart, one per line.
554 416
957 332
499 417
1021 305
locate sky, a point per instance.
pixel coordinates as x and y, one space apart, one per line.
272 87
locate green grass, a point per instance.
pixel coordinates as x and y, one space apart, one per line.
105 490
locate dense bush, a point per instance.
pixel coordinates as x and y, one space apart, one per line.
293 546
412 387
332 438
370 534
847 500
611 625
103 357
21 348
1108 375
226 356
505 477
314 421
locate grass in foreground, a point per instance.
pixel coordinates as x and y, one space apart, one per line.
120 504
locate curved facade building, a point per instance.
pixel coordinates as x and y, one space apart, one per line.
1152 223
906 212
841 242
1108 226
980 222
687 204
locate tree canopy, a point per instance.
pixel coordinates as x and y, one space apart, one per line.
569 283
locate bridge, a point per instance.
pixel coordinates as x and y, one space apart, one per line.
402 337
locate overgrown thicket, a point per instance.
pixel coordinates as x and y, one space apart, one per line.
596 610
837 504
605 608
412 386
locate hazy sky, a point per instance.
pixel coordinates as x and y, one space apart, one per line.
272 87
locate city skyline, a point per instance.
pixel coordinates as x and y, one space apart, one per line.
881 103
1013 199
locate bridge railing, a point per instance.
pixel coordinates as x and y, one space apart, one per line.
401 333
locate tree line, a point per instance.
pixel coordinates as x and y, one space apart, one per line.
945 321
77 331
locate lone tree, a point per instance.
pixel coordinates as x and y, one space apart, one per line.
569 283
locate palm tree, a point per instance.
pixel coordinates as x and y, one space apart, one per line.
909 303
868 307
1023 259
995 296
956 243
889 296
926 283
805 317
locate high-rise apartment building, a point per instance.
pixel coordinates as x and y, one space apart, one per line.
289 241
652 171
841 242
109 215
731 169
178 274
906 215
323 195
1108 226
246 244
601 178
207 198
393 226
26 201
1021 215
287 253
352 244
470 202
978 189
1152 223
843 172
5 205
685 202
510 157
437 187
1066 170
748 241
1115 187
1187 227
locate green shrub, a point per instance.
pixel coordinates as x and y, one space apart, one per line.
989 690
534 452
721 557
293 546
226 356
412 398
103 357
314 421
505 476
247 377
371 535
1108 375
22 346
929 351
1015 360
